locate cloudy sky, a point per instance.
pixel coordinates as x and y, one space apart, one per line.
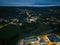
29 2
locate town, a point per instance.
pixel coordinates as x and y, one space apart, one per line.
31 25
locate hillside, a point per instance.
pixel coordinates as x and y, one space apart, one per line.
27 21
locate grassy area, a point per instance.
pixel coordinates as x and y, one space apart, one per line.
13 30
12 33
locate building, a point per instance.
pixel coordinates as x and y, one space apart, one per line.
29 41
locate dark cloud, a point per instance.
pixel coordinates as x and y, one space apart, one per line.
28 2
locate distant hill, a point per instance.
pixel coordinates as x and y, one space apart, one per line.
13 11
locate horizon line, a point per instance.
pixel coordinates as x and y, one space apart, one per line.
28 5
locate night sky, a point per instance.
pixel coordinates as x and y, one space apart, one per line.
29 2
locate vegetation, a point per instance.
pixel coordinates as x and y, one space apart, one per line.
10 32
